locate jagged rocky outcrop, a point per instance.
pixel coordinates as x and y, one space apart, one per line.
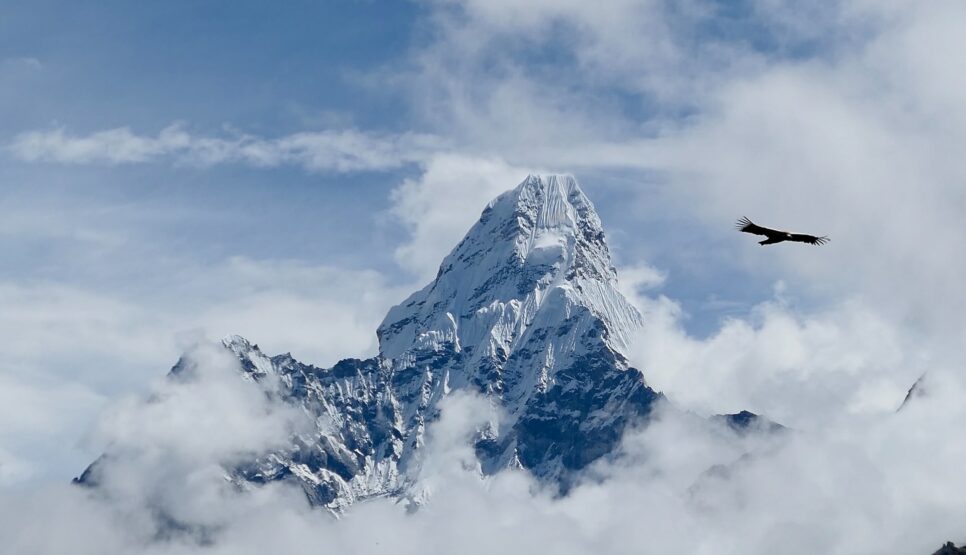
524 311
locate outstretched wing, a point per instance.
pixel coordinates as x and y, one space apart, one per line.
746 225
810 239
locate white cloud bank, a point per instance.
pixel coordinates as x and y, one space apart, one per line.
69 349
805 370
885 485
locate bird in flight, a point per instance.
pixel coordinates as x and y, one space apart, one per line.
777 236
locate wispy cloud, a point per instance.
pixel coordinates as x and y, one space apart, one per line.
27 62
321 151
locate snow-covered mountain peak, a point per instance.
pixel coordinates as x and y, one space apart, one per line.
555 201
537 255
550 213
524 311
253 360
528 291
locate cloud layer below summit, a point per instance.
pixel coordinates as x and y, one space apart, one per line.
852 487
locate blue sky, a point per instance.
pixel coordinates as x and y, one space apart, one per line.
208 63
289 171
244 66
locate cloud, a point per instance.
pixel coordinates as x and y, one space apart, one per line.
63 322
285 304
44 417
217 416
811 130
27 63
853 487
640 277
167 454
840 120
526 80
166 464
440 205
839 150
70 348
322 151
321 313
801 369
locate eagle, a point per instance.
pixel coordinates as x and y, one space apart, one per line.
777 236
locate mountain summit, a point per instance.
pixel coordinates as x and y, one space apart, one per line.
536 249
525 311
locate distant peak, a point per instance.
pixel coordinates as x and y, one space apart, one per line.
253 360
236 342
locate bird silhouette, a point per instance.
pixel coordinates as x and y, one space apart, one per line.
777 235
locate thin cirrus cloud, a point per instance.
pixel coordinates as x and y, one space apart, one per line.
323 151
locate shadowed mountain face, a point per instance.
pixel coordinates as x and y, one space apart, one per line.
524 311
